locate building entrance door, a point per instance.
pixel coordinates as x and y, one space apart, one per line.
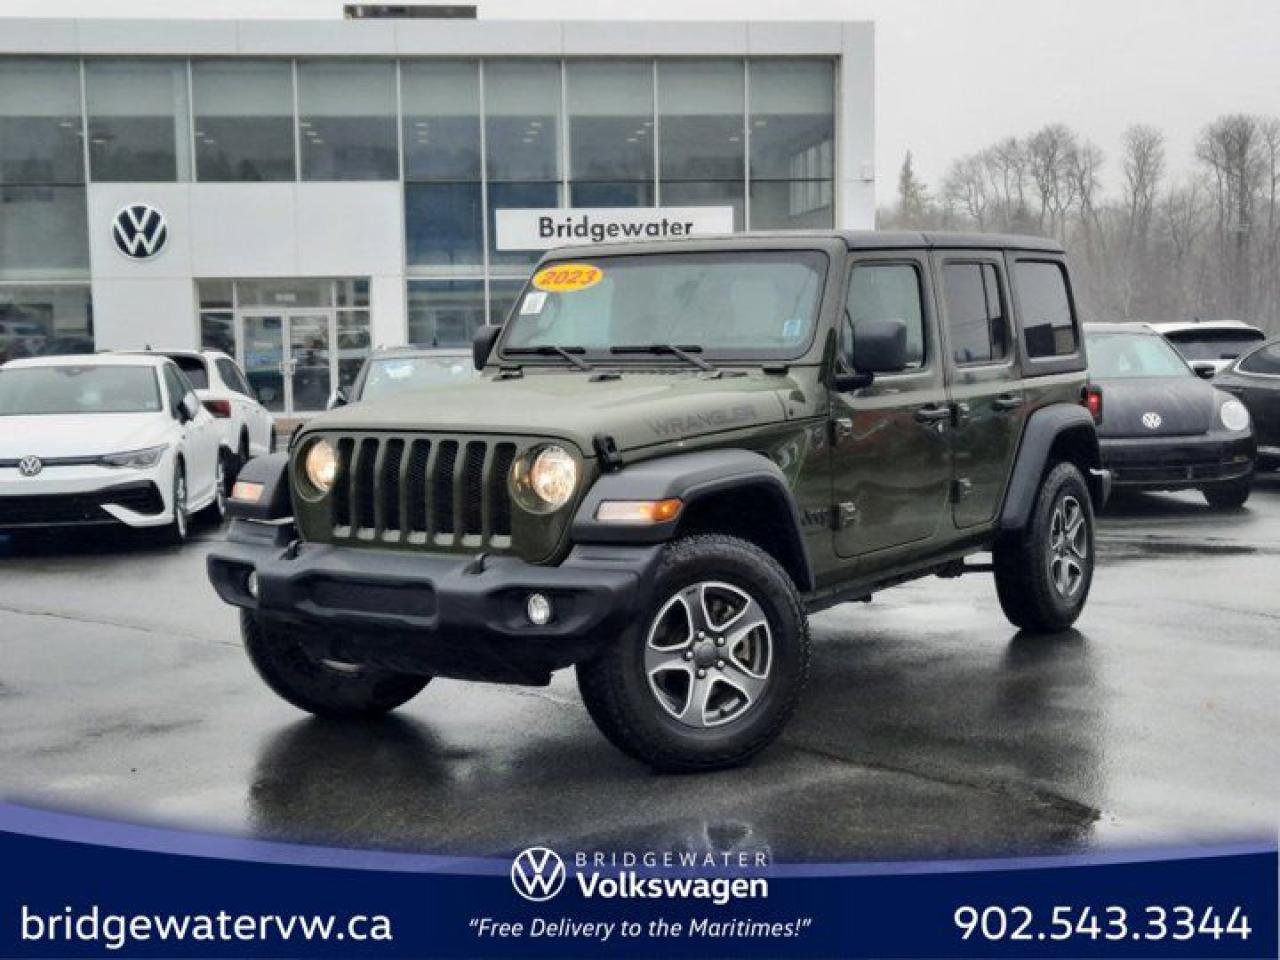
288 357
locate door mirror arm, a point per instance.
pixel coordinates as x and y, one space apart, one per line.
845 381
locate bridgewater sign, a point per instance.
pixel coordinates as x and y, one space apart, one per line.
542 229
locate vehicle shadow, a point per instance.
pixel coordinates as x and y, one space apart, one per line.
896 752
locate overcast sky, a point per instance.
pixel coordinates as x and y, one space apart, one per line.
952 75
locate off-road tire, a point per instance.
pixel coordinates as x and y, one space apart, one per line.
1024 580
1228 496
313 685
615 685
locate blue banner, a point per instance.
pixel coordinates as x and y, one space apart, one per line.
75 886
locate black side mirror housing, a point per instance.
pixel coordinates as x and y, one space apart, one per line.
341 397
1204 370
482 344
879 346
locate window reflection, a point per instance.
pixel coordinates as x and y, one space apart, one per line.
445 313
441 104
138 120
40 122
522 119
347 119
243 119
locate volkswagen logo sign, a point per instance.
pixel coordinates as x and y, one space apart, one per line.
538 874
30 466
1152 420
139 231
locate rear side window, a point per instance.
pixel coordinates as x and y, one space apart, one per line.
232 377
885 291
195 370
977 321
1266 360
1048 322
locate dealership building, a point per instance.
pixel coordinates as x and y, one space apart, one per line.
303 190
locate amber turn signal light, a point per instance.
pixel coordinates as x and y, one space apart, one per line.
639 511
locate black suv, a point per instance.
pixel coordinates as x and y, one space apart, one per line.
676 452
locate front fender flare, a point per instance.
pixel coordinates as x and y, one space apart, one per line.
690 477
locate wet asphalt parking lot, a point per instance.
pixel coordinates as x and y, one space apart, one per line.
930 728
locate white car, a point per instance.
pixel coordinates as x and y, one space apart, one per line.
1210 346
105 439
246 427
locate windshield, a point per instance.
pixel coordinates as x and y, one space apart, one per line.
1115 355
82 389
736 305
1215 344
396 375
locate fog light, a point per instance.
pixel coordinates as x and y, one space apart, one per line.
251 584
538 609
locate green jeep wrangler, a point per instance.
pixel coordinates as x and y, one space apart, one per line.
676 452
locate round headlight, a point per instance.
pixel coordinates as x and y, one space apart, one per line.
547 479
321 465
1235 415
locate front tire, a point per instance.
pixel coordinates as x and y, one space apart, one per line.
716 667
217 508
1228 496
1043 572
175 533
323 687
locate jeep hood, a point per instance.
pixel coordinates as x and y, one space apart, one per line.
637 409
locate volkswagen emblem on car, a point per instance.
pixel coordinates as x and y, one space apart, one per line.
140 231
537 874
1152 420
30 466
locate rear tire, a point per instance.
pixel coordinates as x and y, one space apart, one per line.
1228 496
323 687
1043 572
716 666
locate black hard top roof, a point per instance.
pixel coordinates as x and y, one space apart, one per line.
799 239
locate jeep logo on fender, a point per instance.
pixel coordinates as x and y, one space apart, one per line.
702 422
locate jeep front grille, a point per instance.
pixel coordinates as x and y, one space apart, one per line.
437 491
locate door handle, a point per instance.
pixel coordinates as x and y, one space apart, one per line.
933 413
1008 401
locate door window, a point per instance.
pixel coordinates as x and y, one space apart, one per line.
232 377
885 291
977 321
175 388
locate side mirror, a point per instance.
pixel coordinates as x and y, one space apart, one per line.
339 398
482 344
879 346
189 408
1204 369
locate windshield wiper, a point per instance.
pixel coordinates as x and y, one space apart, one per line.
685 353
548 350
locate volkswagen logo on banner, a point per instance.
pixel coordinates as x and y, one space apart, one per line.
537 874
139 231
30 466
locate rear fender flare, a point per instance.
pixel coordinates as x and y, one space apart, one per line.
1065 426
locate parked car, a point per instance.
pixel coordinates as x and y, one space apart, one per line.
20 338
1254 379
1162 427
1210 345
676 452
391 371
246 428
105 439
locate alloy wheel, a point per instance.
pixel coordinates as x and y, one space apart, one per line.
708 654
1068 546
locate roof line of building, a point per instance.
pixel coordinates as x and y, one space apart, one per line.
532 38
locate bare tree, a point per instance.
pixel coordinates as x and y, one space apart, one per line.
1231 148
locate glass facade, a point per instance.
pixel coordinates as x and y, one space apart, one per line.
466 136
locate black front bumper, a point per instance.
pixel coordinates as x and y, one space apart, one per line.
1177 463
79 509
443 615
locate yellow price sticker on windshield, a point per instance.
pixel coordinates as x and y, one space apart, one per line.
567 277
